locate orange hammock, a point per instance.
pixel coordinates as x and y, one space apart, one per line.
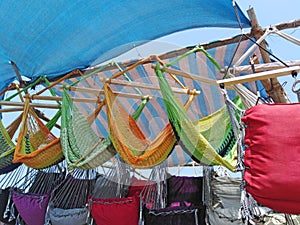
128 139
36 147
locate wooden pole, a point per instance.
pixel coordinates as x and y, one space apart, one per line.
36 105
272 86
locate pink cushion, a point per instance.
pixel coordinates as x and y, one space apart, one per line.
272 155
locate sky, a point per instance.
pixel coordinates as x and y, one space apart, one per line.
268 12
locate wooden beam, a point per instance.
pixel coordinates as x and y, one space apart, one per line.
272 86
259 76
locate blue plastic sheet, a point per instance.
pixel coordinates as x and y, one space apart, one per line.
54 37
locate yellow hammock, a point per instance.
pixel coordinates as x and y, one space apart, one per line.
36 147
129 141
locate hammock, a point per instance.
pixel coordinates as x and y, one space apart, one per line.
128 139
36 147
82 147
190 138
7 147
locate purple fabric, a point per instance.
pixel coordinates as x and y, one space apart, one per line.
31 207
174 216
184 190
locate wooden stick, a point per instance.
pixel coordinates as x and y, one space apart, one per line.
36 105
191 76
259 76
56 98
148 86
11 110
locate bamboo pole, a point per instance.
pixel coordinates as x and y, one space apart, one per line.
259 76
101 92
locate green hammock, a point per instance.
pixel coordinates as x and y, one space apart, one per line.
82 147
186 131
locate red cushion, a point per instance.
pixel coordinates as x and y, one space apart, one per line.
272 155
115 211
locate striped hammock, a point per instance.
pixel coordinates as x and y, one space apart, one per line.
187 133
36 146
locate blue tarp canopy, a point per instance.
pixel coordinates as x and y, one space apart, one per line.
51 38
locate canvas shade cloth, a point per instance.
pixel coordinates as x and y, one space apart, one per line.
108 29
153 118
271 150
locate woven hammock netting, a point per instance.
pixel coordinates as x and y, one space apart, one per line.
153 122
